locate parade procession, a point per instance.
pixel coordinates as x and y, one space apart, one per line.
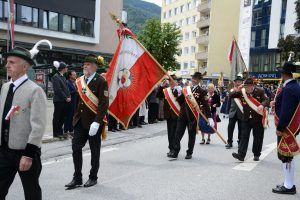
177 99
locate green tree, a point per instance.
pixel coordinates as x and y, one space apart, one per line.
285 45
297 23
162 41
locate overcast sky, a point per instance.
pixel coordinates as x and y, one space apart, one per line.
157 2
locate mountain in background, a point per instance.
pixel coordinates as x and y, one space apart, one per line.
138 12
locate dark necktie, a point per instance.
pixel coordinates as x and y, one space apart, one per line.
86 80
7 107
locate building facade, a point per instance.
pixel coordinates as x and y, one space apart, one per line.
184 14
271 20
218 24
74 27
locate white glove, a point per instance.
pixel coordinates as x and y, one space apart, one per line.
94 128
211 122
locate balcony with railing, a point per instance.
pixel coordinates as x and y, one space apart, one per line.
202 55
203 39
205 6
203 22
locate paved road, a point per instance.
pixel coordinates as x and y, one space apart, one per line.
135 169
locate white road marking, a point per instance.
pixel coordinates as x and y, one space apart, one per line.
57 160
249 164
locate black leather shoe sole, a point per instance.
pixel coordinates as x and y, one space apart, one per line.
237 156
90 183
282 190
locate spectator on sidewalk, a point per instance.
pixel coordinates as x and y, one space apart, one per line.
61 99
68 127
153 107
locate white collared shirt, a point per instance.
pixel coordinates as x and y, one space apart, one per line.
90 78
19 81
287 81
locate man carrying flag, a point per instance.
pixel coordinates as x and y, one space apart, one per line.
171 107
287 121
191 101
131 67
88 119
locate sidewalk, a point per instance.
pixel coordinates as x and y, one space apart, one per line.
53 149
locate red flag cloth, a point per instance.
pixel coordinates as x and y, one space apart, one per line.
132 75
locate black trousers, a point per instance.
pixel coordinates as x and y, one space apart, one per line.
153 112
112 123
258 137
135 119
171 126
59 115
81 136
182 124
68 127
231 126
9 166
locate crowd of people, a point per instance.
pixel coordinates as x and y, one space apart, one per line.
81 110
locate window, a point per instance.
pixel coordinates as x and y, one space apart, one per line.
35 17
193 49
87 27
189 6
194 34
5 6
170 13
53 21
165 15
186 51
175 11
187 21
263 38
187 36
182 9
74 29
185 65
253 34
257 18
45 20
194 19
66 23
26 15
281 34
180 37
181 23
1 9
192 64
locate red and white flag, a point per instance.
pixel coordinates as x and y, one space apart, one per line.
236 60
132 75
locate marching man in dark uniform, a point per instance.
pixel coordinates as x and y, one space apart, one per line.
235 114
171 107
287 120
254 118
192 99
88 119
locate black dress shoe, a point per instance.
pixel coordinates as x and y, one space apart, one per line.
188 156
90 183
238 156
113 130
228 146
172 155
280 189
256 158
73 184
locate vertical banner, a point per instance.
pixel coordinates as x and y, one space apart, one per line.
244 39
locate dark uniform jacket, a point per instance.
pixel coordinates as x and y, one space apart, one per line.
168 111
259 95
201 98
98 86
60 88
286 104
